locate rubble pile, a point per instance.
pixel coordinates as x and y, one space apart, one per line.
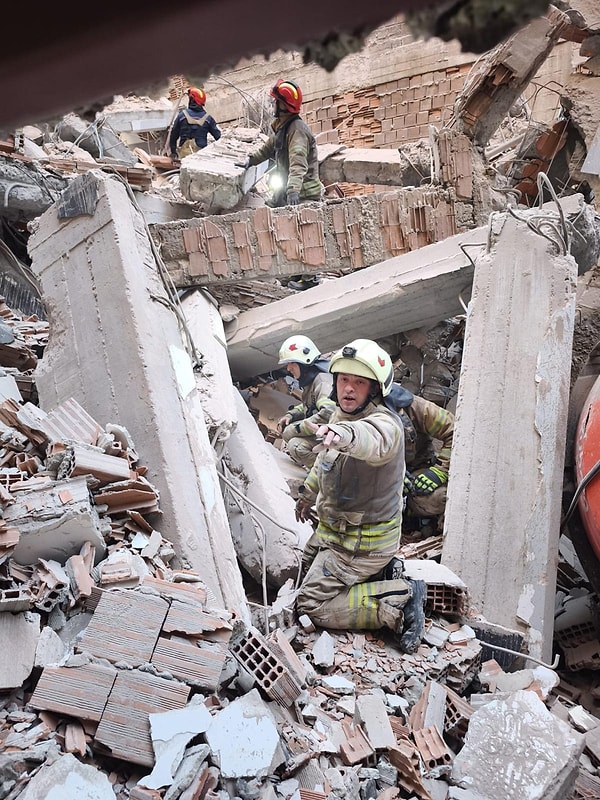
121 678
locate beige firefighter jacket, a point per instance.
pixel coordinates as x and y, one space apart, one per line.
357 486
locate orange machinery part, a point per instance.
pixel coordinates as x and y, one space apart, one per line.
587 454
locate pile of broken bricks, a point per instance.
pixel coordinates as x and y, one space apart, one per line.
121 679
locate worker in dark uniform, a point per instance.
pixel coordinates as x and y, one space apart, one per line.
192 126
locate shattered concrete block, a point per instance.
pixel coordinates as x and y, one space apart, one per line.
244 740
50 648
323 650
68 779
372 715
212 177
55 522
517 748
19 636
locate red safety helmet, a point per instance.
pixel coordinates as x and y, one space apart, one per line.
288 94
197 95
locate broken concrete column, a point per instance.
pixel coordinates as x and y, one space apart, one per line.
213 379
275 542
120 355
271 544
504 497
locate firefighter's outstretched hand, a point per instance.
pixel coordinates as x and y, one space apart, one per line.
429 480
327 436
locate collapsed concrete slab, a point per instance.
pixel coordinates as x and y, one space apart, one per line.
503 513
121 356
341 234
414 290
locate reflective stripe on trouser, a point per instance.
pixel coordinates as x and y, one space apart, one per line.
337 594
300 450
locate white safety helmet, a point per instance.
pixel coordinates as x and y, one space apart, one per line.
364 357
298 349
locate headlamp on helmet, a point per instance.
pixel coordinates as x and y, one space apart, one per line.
365 358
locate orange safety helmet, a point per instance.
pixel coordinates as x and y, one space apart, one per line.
288 94
197 95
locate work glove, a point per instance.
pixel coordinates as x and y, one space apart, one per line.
283 423
429 480
243 164
408 484
293 198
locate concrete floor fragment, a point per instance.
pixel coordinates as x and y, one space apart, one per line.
244 739
69 779
517 749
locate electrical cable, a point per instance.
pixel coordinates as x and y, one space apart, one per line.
582 485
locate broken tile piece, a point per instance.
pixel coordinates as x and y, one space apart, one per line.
170 732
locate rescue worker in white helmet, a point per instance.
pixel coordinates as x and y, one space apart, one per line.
351 579
304 362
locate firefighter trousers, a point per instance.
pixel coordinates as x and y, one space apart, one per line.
336 591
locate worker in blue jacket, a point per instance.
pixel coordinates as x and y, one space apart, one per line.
192 126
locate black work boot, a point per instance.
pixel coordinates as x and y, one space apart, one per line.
414 617
393 570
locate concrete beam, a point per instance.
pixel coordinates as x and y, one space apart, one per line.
414 290
503 515
407 166
138 120
121 356
338 234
